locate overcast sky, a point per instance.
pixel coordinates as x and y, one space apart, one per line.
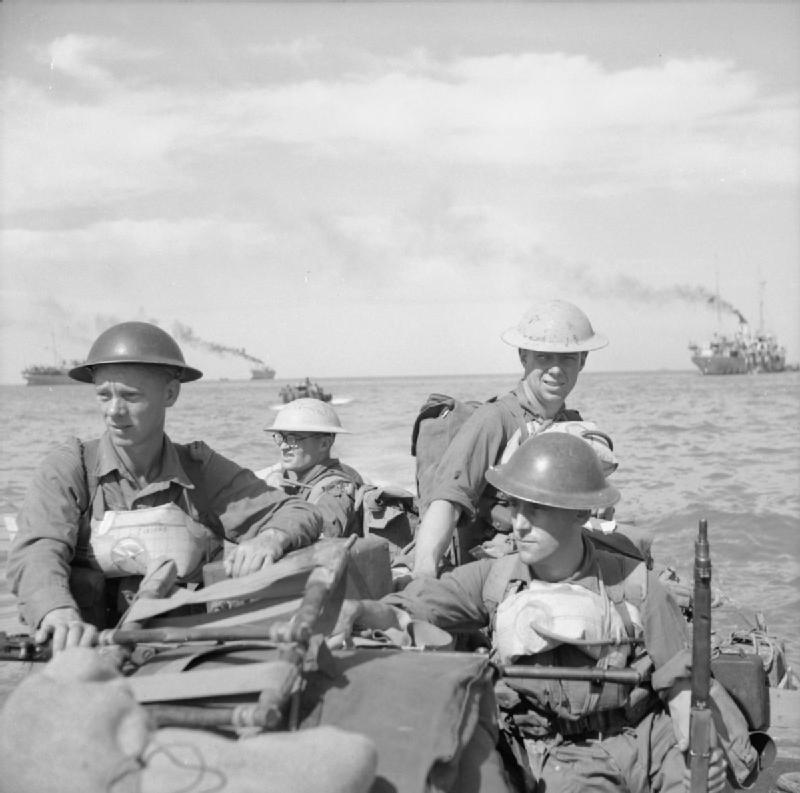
358 189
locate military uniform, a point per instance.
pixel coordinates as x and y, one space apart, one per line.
560 745
332 487
55 523
478 445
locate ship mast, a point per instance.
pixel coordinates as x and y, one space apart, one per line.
761 285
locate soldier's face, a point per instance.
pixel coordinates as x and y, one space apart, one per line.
539 531
552 375
304 451
134 400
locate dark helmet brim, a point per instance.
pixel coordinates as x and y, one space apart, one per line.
604 497
135 343
85 372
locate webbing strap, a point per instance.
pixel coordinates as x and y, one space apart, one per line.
202 683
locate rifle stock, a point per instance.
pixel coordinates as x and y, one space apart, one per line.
700 725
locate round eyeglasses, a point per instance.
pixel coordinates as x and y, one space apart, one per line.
291 439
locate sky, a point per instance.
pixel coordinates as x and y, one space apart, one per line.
372 189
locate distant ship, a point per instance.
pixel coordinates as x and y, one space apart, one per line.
745 352
740 354
44 374
262 372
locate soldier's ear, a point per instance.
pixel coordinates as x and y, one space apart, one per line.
172 392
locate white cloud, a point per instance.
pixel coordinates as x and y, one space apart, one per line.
691 123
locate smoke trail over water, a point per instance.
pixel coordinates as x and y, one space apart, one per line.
186 335
630 287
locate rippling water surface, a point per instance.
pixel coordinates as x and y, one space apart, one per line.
690 447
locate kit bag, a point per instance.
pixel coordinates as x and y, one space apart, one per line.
430 714
437 423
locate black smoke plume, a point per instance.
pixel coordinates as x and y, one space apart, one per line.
186 335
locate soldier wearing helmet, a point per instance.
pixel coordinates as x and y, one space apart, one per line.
559 601
102 513
553 339
304 431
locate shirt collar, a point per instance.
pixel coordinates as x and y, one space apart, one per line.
170 469
530 405
586 575
317 469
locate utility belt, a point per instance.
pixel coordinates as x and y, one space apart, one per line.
529 723
605 723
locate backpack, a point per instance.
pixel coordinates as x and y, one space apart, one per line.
437 423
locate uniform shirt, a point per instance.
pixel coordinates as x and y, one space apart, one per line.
477 446
336 499
456 602
230 500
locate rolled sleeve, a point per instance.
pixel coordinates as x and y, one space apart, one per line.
453 602
245 505
40 555
476 447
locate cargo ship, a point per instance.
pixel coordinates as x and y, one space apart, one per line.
746 351
262 372
742 353
45 374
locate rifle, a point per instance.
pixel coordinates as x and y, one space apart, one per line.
536 672
21 647
700 724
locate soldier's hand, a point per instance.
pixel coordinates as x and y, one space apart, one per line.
365 614
680 708
717 768
67 629
251 555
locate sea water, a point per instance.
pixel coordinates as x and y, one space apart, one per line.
726 449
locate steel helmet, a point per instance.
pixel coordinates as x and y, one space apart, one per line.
556 469
135 342
554 326
307 415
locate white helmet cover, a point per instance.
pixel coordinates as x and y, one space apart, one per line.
307 415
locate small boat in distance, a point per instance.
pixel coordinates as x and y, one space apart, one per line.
305 389
262 372
45 374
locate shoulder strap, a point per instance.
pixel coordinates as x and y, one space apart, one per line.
625 578
516 411
334 478
88 452
193 457
498 581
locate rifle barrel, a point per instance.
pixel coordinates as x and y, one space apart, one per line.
536 672
700 721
